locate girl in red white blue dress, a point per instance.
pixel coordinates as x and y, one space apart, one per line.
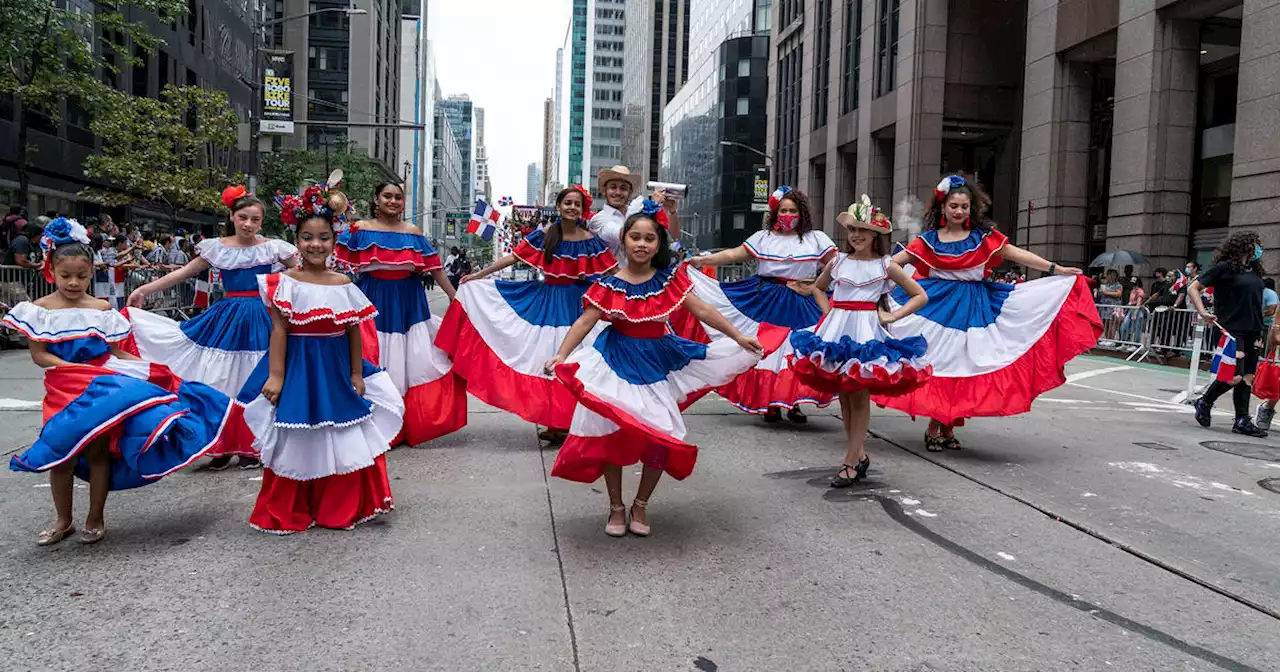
389 255
109 418
222 345
323 416
994 347
852 353
500 333
632 382
788 252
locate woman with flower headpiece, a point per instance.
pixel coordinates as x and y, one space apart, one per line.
389 254
222 345
323 417
789 252
109 418
501 332
994 347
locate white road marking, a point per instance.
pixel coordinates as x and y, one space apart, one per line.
1005 556
1067 401
926 514
910 502
255 478
19 405
1088 494
1161 402
1081 375
1178 479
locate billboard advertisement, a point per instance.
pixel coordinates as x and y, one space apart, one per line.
277 93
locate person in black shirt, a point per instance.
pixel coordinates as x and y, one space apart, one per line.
1236 280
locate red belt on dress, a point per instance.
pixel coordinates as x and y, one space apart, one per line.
384 274
855 305
242 294
641 329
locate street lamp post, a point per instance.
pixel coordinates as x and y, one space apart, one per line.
731 143
256 112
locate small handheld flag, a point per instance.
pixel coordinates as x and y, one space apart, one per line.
1223 366
485 220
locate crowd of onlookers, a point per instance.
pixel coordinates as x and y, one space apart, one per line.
116 247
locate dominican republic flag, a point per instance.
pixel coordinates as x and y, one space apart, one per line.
1224 359
485 220
1178 284
506 200
203 288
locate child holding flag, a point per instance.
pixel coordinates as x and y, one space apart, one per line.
1237 283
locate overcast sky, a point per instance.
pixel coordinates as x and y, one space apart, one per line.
503 54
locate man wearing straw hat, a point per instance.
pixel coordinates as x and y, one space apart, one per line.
618 184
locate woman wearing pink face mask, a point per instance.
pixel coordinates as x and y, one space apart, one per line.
789 254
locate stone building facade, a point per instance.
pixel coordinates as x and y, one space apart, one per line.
1147 125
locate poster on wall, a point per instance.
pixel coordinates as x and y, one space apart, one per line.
277 93
760 193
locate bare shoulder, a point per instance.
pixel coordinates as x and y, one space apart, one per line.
97 304
412 228
338 279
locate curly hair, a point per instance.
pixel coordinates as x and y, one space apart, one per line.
805 225
1237 252
979 203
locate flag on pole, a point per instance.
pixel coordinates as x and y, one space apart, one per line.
1179 283
485 220
506 200
1223 366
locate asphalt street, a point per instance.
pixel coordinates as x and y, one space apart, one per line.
1104 530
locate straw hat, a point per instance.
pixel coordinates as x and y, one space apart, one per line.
865 216
618 173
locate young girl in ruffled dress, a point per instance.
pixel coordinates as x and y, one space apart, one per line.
631 383
851 353
222 345
322 416
109 418
501 332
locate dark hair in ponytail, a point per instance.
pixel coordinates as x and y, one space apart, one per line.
979 203
69 251
553 235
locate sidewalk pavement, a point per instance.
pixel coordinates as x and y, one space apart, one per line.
1096 532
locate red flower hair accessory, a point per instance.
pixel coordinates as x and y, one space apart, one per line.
651 209
232 194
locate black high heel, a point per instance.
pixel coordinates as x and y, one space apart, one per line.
859 473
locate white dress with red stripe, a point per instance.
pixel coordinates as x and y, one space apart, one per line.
633 381
221 346
500 333
761 299
154 422
322 445
401 339
994 347
851 350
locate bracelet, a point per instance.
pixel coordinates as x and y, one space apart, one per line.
1052 267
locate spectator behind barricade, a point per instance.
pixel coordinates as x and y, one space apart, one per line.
25 249
158 254
1190 272
1126 280
180 255
1109 294
1160 301
1135 317
12 225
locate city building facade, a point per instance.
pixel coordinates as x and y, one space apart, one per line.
714 128
447 182
483 187
417 106
350 74
546 170
571 78
602 130
1146 125
461 114
211 47
656 57
533 185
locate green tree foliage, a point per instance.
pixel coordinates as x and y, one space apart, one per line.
287 170
58 54
176 150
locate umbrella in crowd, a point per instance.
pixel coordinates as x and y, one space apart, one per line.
1118 258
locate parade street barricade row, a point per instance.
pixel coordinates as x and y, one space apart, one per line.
18 283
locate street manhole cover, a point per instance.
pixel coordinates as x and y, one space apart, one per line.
1253 451
1151 445
1272 484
